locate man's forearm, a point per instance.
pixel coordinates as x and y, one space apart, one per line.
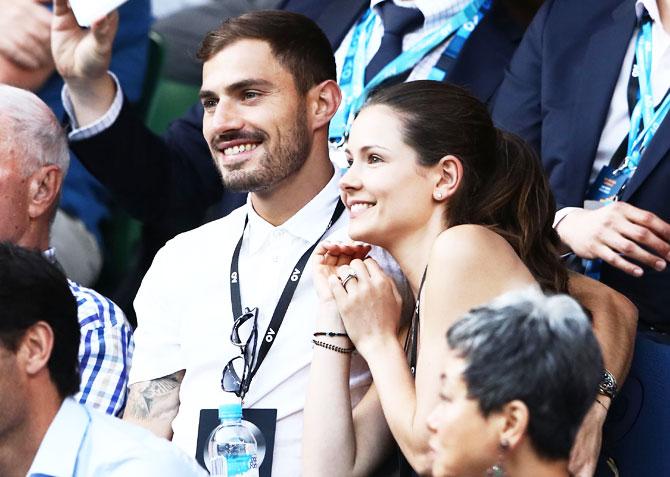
614 322
154 404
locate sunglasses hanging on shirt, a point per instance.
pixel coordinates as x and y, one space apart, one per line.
237 373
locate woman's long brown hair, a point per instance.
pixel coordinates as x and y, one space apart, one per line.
503 188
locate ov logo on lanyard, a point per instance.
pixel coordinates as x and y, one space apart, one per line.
287 293
352 78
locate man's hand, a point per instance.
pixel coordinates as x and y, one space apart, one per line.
82 58
585 451
616 231
81 55
25 27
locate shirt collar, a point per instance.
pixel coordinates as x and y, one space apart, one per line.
650 6
308 223
58 452
432 10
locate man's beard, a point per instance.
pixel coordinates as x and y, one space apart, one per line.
274 166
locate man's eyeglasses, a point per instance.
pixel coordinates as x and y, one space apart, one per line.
237 373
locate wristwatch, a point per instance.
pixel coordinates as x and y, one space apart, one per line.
607 386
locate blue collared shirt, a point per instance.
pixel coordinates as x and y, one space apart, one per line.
84 443
105 350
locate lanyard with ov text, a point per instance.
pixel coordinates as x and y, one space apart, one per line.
352 78
286 296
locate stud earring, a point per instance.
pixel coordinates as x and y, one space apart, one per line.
438 195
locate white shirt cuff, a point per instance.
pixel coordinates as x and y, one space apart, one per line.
563 213
99 125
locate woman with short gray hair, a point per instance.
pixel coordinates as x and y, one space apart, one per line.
519 377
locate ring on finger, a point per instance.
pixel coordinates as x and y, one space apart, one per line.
350 274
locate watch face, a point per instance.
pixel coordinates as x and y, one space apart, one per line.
607 384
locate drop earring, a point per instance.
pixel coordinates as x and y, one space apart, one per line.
498 470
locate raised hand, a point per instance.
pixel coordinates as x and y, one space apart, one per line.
81 55
369 304
616 231
82 58
327 257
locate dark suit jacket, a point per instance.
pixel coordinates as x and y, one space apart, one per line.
556 95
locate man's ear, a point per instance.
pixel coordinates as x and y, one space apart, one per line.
44 190
323 101
35 348
448 175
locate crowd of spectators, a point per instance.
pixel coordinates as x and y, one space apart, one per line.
366 180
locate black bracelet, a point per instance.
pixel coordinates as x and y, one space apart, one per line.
330 333
331 347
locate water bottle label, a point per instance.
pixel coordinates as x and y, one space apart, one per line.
240 464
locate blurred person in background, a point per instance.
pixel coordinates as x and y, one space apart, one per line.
26 62
588 89
33 162
43 430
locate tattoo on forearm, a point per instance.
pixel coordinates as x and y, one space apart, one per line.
155 399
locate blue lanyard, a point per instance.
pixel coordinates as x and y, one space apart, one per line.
441 70
644 121
355 92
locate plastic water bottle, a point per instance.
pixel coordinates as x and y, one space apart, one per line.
232 447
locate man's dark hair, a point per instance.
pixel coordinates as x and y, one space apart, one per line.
33 290
296 41
538 349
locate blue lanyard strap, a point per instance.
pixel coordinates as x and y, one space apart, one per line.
354 89
644 121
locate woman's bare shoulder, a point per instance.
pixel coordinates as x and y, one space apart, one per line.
471 244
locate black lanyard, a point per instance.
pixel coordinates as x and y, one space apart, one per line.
286 296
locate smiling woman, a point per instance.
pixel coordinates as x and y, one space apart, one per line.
467 213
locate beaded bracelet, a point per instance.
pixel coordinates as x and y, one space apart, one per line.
331 347
330 333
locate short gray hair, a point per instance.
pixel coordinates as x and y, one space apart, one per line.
538 349
35 135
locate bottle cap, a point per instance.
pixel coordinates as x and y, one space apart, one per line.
230 411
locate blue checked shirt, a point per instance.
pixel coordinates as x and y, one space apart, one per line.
105 350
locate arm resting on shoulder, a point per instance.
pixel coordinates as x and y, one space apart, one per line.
154 404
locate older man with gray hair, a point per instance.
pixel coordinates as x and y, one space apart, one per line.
34 159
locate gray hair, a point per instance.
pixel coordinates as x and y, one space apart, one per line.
31 131
538 349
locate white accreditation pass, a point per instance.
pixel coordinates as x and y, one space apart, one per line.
88 11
